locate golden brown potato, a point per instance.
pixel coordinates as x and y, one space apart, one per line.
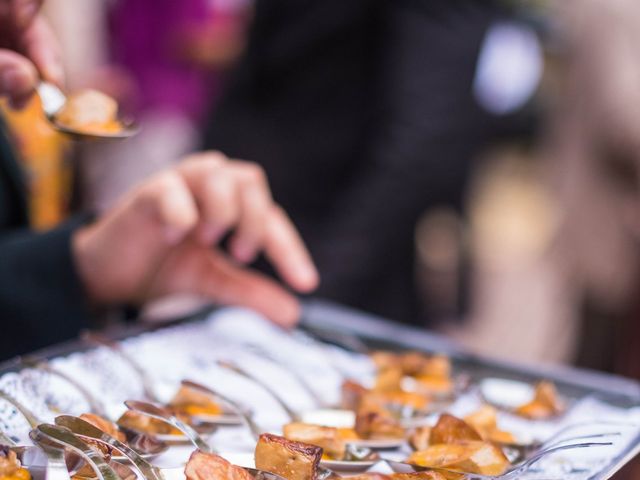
389 380
452 430
545 404
289 459
209 466
194 402
383 359
327 438
473 457
485 422
352 393
10 467
413 363
436 366
375 422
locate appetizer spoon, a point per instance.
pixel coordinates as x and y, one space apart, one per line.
232 404
65 438
165 415
53 100
85 429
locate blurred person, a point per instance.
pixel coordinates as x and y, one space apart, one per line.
363 115
164 61
592 153
161 237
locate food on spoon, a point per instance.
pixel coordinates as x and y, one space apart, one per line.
452 430
327 438
374 422
209 466
146 424
289 459
545 404
105 425
10 466
389 380
91 112
477 457
191 401
485 422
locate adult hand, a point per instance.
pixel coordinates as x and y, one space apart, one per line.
161 238
28 51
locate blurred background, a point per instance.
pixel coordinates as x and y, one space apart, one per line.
465 166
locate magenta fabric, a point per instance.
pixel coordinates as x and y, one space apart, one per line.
143 41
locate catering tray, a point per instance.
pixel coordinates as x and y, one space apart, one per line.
190 348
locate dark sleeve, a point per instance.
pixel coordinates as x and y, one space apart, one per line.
41 298
427 131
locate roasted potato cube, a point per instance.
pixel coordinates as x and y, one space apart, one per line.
383 359
289 459
352 393
413 363
10 467
389 380
452 430
375 422
209 466
328 438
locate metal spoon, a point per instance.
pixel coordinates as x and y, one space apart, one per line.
165 415
66 438
53 100
233 405
85 429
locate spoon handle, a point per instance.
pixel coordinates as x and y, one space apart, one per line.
97 339
31 419
293 416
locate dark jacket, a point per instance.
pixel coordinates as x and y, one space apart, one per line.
362 114
41 299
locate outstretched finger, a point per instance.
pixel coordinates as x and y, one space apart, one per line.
18 78
231 284
287 252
